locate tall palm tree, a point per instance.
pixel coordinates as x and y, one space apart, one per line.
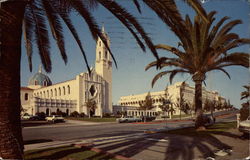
28 18
205 47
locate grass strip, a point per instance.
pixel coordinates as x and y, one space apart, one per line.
93 119
65 153
214 129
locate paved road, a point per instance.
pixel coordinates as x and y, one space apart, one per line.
85 130
69 131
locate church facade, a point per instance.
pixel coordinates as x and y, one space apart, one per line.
42 96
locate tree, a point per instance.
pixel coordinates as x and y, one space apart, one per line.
166 103
205 47
245 109
147 104
181 103
91 105
30 19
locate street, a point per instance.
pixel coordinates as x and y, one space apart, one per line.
69 131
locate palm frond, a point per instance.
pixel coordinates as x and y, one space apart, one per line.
42 39
56 27
72 29
137 5
128 20
237 58
195 4
93 27
28 26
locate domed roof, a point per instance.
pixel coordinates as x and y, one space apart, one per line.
40 79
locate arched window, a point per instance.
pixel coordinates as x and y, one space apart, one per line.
44 94
106 54
100 43
100 55
67 112
64 91
47 111
59 91
26 96
48 93
51 93
55 92
45 83
68 89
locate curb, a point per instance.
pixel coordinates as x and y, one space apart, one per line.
89 147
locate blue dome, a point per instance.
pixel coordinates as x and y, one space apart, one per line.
40 79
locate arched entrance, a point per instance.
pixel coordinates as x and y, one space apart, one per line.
67 112
47 112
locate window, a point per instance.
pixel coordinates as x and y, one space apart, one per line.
64 91
100 43
68 89
26 96
59 91
45 83
48 93
51 93
106 54
55 92
100 56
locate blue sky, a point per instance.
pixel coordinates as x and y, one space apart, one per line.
130 76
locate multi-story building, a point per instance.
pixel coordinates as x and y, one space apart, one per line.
42 96
173 94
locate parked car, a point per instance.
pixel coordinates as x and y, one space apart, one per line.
244 126
54 118
148 118
128 119
26 117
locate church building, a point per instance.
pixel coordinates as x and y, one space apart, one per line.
41 95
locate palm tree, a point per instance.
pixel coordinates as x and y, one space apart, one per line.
28 18
245 109
204 49
245 94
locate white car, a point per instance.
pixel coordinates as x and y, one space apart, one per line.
26 117
128 119
55 118
244 126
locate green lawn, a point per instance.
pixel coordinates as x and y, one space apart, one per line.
215 129
65 153
93 119
182 116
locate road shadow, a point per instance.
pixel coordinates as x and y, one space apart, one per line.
37 141
170 146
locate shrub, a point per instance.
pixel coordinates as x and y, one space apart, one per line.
82 114
74 114
107 115
53 113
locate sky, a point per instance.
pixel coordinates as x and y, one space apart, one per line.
130 77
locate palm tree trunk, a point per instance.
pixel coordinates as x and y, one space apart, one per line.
198 104
11 142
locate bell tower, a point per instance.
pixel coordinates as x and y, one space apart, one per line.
103 67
